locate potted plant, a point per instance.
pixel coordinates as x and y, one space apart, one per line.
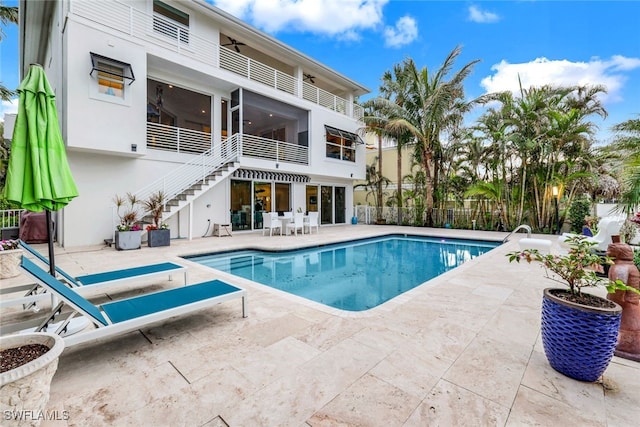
128 231
579 330
29 362
158 233
10 256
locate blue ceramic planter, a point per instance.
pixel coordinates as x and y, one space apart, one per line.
579 340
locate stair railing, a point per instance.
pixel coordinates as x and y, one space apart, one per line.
194 171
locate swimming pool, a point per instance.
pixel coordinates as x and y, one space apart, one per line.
353 276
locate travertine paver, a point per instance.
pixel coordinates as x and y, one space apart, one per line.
462 349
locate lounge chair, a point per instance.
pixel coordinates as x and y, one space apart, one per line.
607 227
118 317
89 282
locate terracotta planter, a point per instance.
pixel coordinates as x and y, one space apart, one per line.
10 263
24 391
579 340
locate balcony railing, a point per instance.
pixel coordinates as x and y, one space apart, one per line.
196 170
157 30
269 149
187 141
179 140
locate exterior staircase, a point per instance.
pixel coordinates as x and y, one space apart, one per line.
189 181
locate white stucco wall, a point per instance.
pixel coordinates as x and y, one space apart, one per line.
99 132
96 121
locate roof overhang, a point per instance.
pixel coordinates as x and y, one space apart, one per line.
286 52
36 16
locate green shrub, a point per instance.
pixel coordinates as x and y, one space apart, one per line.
578 211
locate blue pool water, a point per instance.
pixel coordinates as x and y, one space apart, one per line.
353 276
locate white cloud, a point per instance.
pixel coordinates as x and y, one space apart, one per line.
481 16
543 71
339 18
405 31
8 107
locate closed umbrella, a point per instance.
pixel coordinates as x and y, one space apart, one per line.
38 174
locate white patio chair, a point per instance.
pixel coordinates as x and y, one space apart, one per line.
296 224
312 222
271 222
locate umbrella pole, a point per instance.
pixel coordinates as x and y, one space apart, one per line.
52 262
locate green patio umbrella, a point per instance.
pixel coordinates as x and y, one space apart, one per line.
38 175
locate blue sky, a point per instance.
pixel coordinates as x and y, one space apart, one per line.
543 42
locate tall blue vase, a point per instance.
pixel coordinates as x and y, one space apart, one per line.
579 341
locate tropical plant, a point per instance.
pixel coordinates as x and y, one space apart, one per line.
432 104
627 147
576 269
628 231
375 118
578 212
7 15
375 183
127 209
155 205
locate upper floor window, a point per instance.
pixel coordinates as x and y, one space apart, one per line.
341 144
110 75
170 21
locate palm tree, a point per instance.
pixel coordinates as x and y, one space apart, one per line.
7 15
431 106
375 119
394 89
627 143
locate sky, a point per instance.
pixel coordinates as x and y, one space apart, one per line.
540 42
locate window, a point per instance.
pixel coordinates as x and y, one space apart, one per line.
110 81
111 75
171 22
341 144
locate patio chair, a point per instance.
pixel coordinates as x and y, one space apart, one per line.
88 282
607 227
312 222
118 317
271 222
296 224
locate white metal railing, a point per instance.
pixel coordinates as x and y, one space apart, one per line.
270 149
180 140
168 34
257 71
10 218
194 171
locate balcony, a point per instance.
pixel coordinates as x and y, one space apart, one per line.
186 141
156 30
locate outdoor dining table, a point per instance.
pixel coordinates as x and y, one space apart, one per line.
284 220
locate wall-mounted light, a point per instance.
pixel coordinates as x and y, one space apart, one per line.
351 175
277 165
554 191
208 205
134 147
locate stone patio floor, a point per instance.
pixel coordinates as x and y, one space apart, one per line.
463 349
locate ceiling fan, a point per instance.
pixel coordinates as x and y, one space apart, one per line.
308 78
235 43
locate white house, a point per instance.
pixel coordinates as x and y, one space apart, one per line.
182 97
